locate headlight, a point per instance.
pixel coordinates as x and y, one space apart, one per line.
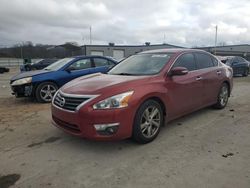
22 81
117 101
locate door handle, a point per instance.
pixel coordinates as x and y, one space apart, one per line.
219 72
198 78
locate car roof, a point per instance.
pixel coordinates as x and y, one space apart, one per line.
171 50
88 56
221 58
228 57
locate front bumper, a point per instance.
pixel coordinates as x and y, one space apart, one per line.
82 123
25 90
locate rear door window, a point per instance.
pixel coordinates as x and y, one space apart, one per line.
111 62
99 62
81 64
203 60
186 60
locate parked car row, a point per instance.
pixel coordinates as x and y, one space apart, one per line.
133 99
239 65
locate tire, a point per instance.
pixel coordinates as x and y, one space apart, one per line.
146 128
223 96
45 91
246 72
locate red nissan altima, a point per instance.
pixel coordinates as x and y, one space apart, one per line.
136 97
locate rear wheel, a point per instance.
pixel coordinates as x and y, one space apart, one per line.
222 97
148 121
45 92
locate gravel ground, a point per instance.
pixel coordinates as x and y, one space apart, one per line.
209 148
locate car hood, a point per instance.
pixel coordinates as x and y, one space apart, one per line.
99 83
28 74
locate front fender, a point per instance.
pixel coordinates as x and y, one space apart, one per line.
147 92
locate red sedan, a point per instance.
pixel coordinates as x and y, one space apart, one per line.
140 94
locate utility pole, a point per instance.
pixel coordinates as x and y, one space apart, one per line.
82 39
90 35
215 41
21 48
84 46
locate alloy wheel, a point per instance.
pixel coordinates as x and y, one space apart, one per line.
47 92
150 121
223 97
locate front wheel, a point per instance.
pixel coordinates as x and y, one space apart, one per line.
222 97
148 121
45 92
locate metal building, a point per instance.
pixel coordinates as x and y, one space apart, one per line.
242 50
116 51
122 51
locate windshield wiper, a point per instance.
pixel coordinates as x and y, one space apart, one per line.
124 73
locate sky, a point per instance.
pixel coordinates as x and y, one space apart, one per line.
186 23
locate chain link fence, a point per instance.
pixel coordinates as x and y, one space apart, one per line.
11 62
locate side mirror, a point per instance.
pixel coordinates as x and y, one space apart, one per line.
178 71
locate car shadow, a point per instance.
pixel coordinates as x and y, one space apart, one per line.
102 147
81 144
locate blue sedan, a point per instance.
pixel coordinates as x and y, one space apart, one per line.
43 84
239 65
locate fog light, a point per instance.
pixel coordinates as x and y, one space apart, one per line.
106 129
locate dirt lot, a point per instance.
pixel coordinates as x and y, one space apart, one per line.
209 148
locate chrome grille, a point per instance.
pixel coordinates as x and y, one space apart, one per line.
68 102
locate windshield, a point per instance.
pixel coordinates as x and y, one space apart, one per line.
228 62
141 64
37 62
58 64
